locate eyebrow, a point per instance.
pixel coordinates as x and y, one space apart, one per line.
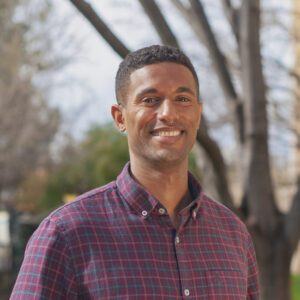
184 89
146 91
181 89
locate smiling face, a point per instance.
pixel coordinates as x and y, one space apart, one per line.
162 113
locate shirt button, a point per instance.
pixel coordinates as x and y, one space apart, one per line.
186 292
194 214
161 211
177 240
144 213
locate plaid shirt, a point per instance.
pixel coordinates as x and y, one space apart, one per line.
117 242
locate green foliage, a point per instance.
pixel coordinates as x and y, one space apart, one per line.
97 160
296 287
193 166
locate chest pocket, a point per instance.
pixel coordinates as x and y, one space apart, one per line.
227 284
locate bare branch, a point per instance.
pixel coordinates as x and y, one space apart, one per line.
189 17
90 14
159 22
220 121
214 153
232 17
218 59
292 72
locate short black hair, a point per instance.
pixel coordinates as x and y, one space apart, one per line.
147 56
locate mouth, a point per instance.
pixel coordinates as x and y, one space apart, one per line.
166 133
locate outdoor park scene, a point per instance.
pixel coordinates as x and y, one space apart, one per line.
58 61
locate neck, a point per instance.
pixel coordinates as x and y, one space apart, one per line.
168 183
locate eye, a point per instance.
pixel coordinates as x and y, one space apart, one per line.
183 99
150 100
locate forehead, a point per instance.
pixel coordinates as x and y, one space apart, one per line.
161 76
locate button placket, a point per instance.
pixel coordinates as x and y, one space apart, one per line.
180 254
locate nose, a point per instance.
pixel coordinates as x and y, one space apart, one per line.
167 111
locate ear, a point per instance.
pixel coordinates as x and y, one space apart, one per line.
118 116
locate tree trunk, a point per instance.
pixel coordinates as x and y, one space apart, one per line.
273 247
258 186
274 258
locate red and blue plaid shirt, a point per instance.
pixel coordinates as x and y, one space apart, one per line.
118 242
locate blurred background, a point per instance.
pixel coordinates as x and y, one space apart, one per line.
58 61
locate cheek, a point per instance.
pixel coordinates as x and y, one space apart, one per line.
197 118
140 116
135 121
144 119
191 117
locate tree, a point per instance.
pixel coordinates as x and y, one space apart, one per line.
95 161
276 234
27 123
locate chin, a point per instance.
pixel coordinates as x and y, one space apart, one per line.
165 157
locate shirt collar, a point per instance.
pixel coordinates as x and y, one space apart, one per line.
197 194
142 201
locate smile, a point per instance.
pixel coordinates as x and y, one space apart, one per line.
167 133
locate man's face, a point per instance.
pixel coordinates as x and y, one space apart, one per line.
161 115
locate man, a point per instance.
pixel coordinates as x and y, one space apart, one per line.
152 233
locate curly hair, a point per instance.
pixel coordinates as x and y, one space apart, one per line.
148 56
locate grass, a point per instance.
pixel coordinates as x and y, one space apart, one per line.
296 287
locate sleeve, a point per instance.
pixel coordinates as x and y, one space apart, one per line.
47 271
253 280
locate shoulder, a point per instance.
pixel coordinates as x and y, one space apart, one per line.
85 208
211 210
221 216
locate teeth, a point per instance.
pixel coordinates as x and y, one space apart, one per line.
168 133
